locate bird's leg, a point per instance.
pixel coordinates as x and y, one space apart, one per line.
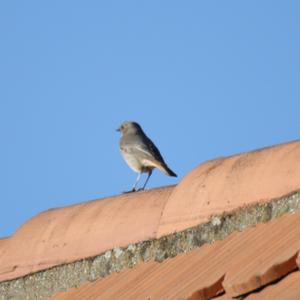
149 174
134 187
136 182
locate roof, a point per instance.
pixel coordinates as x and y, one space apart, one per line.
173 225
238 265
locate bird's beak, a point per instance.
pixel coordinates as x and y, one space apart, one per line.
118 129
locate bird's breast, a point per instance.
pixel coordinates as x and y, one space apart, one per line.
132 161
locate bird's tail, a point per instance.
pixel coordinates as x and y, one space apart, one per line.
165 169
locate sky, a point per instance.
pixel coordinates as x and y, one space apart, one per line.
203 78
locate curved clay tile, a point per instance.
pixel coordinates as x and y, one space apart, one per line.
72 233
228 183
3 242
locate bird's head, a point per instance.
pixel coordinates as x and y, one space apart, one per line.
129 127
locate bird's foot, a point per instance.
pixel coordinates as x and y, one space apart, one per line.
134 190
131 191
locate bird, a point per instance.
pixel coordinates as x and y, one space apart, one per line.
140 153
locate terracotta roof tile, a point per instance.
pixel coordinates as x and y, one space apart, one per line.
286 289
240 264
3 242
263 254
227 183
67 234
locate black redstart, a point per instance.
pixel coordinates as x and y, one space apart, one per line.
140 153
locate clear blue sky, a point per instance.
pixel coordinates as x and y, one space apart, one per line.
204 79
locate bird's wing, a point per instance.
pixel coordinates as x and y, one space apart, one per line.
143 147
154 151
150 151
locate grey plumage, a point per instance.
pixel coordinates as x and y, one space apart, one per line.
140 153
